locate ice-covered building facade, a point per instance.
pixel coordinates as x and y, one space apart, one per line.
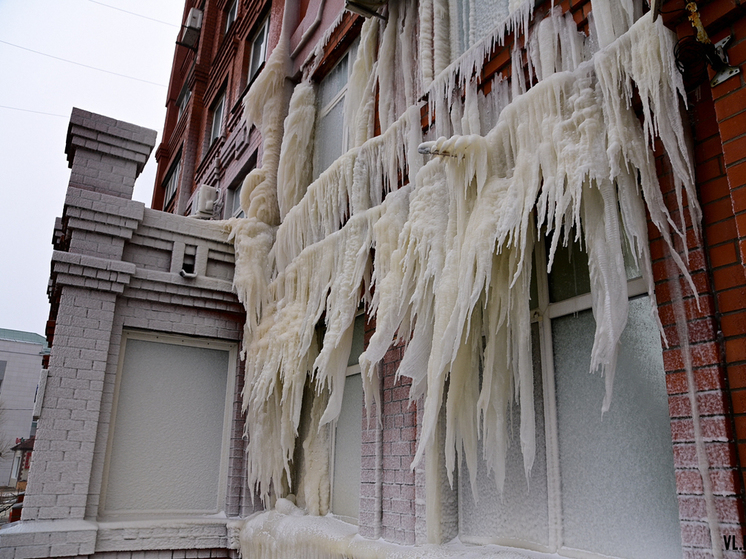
471 283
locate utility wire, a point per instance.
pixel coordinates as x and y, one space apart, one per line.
83 65
30 111
134 14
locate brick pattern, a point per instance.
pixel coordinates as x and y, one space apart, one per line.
387 484
369 520
221 61
63 453
106 155
717 329
217 553
707 256
399 447
97 294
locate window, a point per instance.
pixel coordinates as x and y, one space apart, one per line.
170 433
3 364
235 207
258 51
16 471
216 128
331 135
230 15
601 486
474 20
347 441
183 100
170 185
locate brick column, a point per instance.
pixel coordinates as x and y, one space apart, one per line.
87 276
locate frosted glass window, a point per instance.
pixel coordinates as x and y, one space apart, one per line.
475 20
618 486
331 132
601 485
358 339
333 83
169 429
349 435
329 138
347 451
520 514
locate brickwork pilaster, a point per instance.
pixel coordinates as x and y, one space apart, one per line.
59 479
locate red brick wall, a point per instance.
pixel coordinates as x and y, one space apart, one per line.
717 328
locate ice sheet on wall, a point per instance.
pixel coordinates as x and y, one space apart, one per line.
452 259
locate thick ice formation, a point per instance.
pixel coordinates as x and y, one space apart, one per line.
287 531
453 248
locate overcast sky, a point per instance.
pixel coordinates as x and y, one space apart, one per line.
33 168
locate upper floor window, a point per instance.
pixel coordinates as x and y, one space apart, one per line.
230 15
183 100
258 50
172 182
217 110
331 133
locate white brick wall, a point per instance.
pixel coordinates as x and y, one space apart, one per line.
95 295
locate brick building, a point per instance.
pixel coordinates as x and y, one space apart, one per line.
446 216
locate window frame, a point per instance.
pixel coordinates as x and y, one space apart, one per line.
217 116
225 443
263 32
235 199
231 14
543 313
322 111
171 182
182 101
352 370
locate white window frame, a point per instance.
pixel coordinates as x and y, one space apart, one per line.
352 370
221 500
230 16
216 123
262 33
235 197
171 183
542 315
183 100
323 111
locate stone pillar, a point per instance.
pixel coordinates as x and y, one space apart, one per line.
87 276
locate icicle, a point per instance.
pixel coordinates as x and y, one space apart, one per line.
426 42
613 18
643 56
360 96
452 261
294 173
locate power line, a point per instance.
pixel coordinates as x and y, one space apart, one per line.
83 65
134 14
30 111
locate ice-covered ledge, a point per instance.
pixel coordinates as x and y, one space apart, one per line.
162 534
47 538
288 531
68 538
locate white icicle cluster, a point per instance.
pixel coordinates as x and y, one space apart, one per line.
453 248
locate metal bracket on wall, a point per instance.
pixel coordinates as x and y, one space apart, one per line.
724 71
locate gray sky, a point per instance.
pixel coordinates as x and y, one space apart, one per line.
33 168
